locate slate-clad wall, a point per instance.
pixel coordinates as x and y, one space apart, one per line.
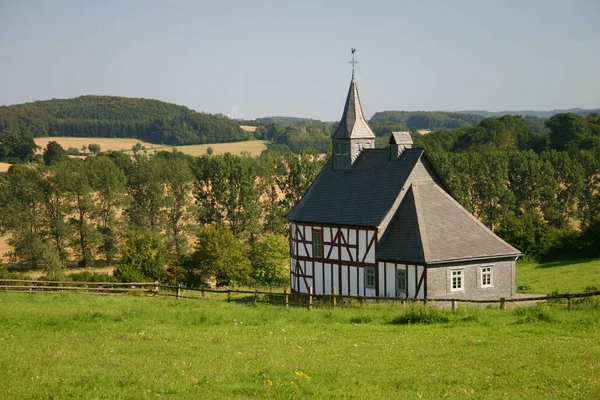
439 281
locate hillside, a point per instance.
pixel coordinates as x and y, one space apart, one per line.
533 113
426 119
286 120
118 117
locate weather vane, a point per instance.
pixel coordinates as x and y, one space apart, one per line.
353 62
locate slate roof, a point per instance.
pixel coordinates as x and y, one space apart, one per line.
431 227
353 124
401 138
361 195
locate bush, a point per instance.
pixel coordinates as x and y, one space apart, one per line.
73 151
87 276
422 315
270 260
144 258
529 315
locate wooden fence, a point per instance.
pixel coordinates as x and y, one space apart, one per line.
284 298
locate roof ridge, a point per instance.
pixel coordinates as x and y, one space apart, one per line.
422 230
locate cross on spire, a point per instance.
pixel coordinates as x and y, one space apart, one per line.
353 62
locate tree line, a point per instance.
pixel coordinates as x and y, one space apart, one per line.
207 218
118 117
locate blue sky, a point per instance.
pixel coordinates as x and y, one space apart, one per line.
261 58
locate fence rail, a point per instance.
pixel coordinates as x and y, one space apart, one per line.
284 298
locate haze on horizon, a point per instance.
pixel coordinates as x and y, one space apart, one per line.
291 58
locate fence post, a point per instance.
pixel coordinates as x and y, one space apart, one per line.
310 297
255 296
285 293
155 287
453 305
503 303
178 290
569 302
333 297
228 295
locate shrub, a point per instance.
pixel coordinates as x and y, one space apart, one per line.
73 151
144 258
422 315
87 276
534 314
270 260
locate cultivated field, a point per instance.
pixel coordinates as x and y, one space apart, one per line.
254 147
571 276
105 143
4 167
84 346
4 247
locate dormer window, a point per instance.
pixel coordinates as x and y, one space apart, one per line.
338 149
345 149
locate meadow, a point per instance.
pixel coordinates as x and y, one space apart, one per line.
570 276
85 346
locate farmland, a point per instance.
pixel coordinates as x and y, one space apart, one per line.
105 143
254 147
4 167
4 247
69 345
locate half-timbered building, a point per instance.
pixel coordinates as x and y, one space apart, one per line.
382 222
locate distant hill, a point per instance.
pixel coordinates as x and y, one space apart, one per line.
118 117
426 119
286 120
539 114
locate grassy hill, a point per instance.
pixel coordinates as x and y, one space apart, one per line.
118 117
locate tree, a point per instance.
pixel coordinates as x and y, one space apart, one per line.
226 193
108 183
144 258
80 191
94 148
179 181
220 256
15 147
54 153
22 202
146 188
270 260
209 151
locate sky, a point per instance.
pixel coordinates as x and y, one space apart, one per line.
290 58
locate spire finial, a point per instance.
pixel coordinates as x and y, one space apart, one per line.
353 62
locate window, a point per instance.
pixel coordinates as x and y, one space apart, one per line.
370 277
317 243
400 282
486 276
338 149
345 149
458 279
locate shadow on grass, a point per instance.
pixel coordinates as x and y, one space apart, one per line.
564 263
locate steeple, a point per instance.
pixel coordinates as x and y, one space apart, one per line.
353 133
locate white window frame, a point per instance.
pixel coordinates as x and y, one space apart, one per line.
370 274
459 275
486 271
317 243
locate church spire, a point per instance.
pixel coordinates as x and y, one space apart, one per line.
353 124
353 133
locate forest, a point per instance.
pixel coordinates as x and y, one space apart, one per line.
118 117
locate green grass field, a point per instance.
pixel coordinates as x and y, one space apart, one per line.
84 346
572 276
